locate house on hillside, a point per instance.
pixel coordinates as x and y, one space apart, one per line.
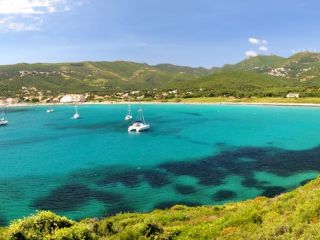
293 95
70 98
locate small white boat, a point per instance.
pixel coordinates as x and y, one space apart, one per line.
3 120
50 110
76 115
129 115
140 124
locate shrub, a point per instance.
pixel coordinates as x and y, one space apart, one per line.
38 226
76 232
151 230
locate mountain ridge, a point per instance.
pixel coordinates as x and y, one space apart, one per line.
266 75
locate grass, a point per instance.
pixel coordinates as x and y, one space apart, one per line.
306 100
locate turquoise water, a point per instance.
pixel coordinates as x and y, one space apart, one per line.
193 154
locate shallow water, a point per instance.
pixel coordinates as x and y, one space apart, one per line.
193 154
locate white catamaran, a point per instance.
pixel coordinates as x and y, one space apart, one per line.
3 119
76 115
140 124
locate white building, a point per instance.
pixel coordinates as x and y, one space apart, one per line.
70 98
293 95
173 92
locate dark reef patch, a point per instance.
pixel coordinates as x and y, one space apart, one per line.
223 195
155 178
70 197
184 189
304 182
273 191
213 170
202 170
251 182
133 177
169 204
129 178
210 171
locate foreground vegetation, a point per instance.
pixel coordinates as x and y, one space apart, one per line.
293 215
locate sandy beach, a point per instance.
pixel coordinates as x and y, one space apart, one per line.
169 103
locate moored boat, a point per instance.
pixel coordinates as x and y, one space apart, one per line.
76 115
129 115
3 120
140 124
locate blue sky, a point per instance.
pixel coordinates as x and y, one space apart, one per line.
185 32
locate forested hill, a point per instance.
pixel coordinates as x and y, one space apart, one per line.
257 76
95 76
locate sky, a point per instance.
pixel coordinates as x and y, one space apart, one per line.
194 33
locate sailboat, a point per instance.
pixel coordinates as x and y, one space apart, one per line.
76 115
3 120
140 124
129 115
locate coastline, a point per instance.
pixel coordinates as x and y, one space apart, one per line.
286 104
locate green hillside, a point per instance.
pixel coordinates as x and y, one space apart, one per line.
242 84
293 215
257 64
267 76
261 76
303 67
97 77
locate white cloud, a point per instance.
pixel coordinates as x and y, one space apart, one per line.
256 41
29 6
18 25
260 45
29 15
263 49
251 53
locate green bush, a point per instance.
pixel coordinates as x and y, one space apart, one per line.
38 226
76 232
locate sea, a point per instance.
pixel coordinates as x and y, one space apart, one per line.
192 155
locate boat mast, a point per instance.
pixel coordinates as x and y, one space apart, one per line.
141 115
4 112
129 105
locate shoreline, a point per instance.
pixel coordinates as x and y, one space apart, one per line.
288 104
